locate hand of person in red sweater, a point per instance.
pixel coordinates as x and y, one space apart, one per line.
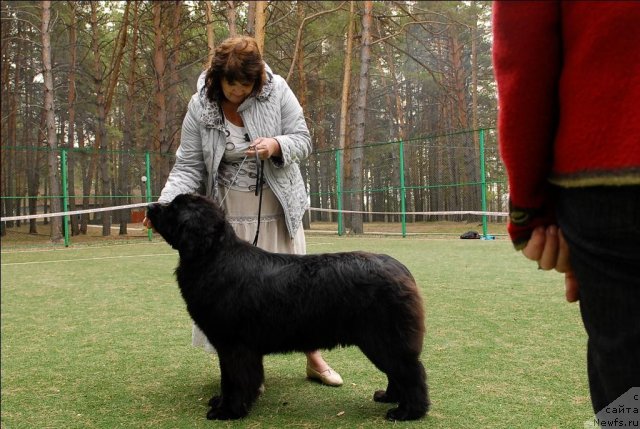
548 247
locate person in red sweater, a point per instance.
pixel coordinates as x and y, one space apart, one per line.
568 77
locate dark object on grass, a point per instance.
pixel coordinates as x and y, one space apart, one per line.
470 235
250 303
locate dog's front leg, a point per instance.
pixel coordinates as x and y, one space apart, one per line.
242 374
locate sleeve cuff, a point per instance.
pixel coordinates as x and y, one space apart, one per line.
522 222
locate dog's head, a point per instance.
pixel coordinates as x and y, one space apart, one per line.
190 223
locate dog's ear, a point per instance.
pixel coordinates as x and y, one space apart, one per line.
200 225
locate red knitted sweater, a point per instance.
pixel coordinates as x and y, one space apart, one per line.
568 76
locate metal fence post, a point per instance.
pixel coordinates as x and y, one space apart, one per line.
147 160
483 183
65 196
339 190
403 203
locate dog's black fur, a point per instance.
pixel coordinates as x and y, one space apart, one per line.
250 303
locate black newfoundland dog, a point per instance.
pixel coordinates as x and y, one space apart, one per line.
250 303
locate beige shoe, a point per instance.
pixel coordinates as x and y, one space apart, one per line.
328 376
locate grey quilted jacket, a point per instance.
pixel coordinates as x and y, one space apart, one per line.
274 112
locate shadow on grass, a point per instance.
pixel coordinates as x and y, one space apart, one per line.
287 401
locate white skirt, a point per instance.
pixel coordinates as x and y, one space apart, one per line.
241 209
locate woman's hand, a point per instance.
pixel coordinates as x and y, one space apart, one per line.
146 222
266 147
548 247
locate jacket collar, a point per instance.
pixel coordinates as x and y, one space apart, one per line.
212 116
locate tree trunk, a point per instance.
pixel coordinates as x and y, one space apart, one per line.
396 132
159 62
231 18
467 170
174 120
251 19
261 7
89 164
32 154
360 120
10 176
10 109
211 37
474 76
344 99
116 62
101 117
71 101
4 107
160 96
302 82
124 179
105 84
32 159
474 101
54 172
321 187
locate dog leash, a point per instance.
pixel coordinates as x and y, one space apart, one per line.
259 182
233 180
258 192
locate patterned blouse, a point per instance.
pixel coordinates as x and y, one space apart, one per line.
234 164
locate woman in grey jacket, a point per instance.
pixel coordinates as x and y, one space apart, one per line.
242 111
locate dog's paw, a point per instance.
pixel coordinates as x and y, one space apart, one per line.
215 401
384 397
220 410
394 414
221 413
402 414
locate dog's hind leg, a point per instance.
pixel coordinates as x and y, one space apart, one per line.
408 378
242 375
406 381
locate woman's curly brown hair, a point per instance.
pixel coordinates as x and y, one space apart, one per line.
237 59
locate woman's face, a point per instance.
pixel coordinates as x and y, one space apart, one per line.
236 92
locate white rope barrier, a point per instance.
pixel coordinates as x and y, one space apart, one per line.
461 212
75 212
131 206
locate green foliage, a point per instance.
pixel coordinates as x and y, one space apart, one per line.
98 337
420 80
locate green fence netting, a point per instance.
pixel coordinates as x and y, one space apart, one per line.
443 177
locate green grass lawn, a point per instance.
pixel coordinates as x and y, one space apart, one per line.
98 337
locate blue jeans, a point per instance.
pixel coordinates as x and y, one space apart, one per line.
602 228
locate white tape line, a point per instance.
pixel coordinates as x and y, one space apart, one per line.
87 259
130 206
75 212
416 213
